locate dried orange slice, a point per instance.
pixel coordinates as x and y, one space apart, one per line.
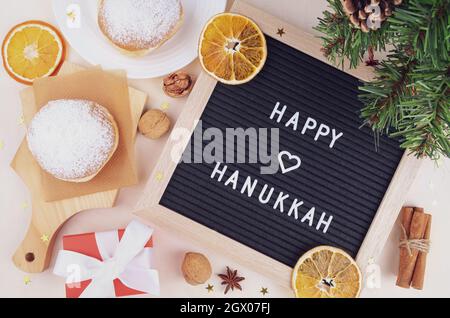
31 50
326 272
232 48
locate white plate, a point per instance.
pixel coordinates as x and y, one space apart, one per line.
83 34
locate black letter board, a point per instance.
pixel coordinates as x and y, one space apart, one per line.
347 181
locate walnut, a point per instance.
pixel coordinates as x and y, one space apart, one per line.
177 84
196 268
154 123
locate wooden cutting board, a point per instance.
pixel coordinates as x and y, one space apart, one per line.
34 253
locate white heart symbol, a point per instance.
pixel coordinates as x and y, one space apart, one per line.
291 157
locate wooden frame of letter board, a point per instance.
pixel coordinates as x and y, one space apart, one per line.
149 208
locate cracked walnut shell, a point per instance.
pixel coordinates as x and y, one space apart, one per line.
177 84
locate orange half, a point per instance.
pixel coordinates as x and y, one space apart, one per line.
326 272
232 48
31 50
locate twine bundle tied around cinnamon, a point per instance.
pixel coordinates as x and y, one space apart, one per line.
414 247
421 245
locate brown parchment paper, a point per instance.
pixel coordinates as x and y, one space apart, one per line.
111 91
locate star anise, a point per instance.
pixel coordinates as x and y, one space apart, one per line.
231 280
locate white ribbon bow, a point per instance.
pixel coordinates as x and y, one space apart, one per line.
126 260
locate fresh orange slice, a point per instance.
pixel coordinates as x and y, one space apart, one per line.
232 48
326 272
31 50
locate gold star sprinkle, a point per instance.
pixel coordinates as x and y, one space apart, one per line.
210 288
281 32
264 291
45 238
165 106
26 280
371 261
21 120
24 205
2 144
159 176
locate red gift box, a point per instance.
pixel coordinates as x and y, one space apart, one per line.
99 246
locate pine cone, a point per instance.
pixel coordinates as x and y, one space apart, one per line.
369 14
349 6
364 27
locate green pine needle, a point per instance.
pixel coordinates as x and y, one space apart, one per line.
409 98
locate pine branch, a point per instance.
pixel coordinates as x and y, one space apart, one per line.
409 98
410 94
425 121
422 30
342 40
413 101
382 95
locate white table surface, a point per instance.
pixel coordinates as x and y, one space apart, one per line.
431 190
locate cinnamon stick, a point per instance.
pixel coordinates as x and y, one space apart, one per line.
408 257
421 210
405 220
419 271
407 214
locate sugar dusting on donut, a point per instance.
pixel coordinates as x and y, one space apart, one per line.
140 23
71 139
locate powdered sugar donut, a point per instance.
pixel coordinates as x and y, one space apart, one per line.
139 26
72 139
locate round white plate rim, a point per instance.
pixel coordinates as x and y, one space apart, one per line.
135 67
